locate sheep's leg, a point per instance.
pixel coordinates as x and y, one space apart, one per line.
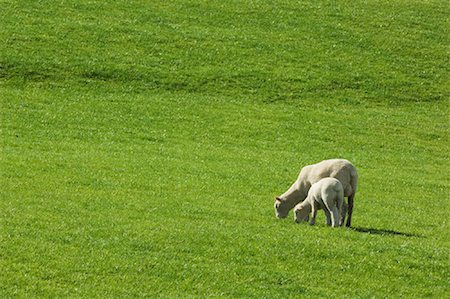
331 212
313 214
334 216
343 213
340 203
350 210
327 215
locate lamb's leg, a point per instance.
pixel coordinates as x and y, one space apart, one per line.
334 216
313 214
331 208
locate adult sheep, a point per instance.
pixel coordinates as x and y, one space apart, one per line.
340 169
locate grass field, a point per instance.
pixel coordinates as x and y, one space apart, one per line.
143 142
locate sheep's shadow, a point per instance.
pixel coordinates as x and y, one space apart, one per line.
383 232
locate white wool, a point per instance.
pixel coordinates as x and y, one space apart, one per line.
326 194
340 169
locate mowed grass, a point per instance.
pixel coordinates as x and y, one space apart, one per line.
142 145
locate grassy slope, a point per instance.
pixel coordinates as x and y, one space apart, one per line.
142 144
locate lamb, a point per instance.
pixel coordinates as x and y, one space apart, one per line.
326 194
340 169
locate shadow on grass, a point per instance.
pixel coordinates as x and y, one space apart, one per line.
376 231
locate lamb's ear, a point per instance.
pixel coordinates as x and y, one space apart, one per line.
277 198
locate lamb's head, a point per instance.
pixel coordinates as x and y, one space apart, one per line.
281 208
301 212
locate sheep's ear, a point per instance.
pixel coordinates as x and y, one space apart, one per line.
277 198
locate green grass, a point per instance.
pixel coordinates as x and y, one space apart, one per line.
143 142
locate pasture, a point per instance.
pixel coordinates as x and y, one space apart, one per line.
143 142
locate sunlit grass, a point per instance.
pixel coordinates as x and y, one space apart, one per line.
142 145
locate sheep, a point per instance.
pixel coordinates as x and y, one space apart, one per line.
326 194
340 169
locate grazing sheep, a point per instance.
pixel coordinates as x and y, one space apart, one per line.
340 169
326 194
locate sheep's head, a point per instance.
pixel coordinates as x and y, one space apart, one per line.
281 208
301 213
